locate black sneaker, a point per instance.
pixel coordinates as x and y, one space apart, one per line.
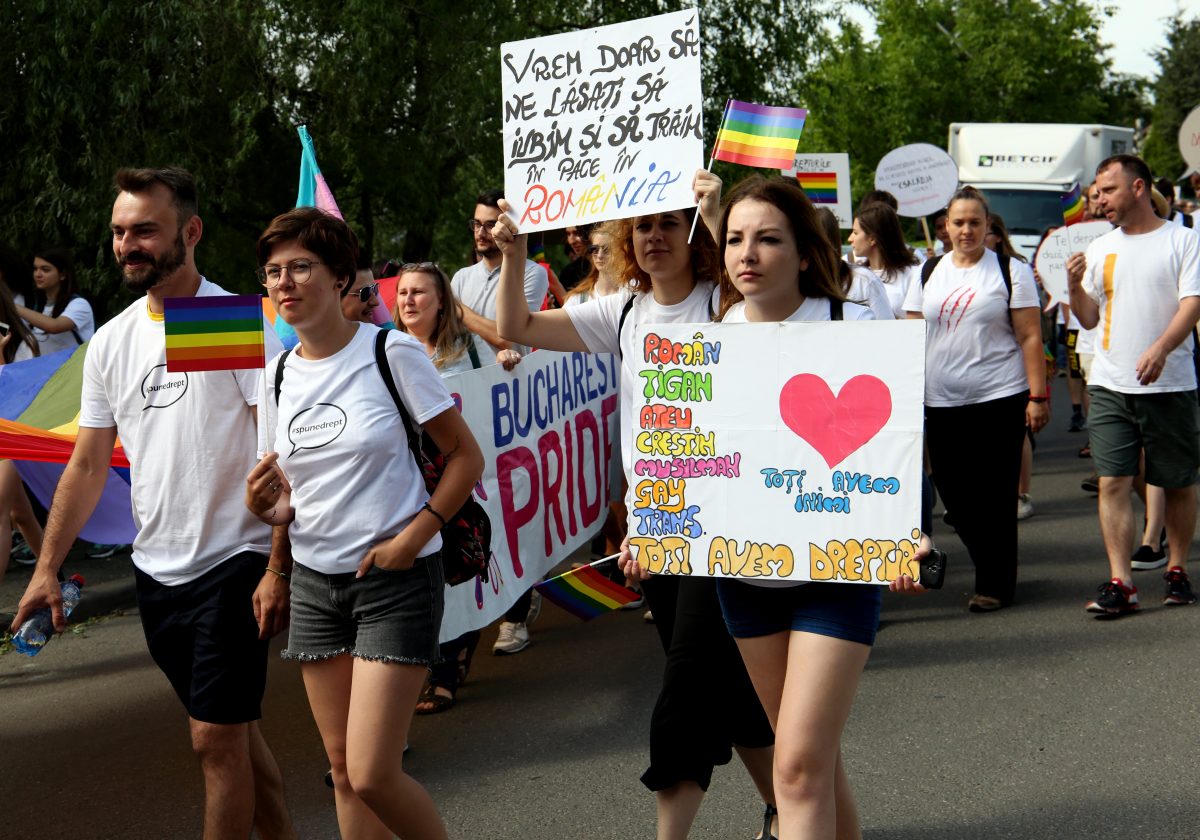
1179 590
1078 424
1091 484
1115 599
1147 558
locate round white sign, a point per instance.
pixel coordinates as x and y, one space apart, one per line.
920 175
1189 139
1051 258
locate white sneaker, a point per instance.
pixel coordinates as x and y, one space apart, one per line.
512 638
535 608
1024 506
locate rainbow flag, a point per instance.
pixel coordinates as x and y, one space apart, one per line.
759 135
222 332
39 420
820 187
586 593
1072 205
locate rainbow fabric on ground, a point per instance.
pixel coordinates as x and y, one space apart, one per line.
759 135
223 332
820 187
1072 205
586 593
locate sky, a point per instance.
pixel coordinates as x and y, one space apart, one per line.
1136 28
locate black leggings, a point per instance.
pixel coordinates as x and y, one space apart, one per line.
707 702
975 453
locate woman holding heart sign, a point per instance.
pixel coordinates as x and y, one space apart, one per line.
805 646
985 384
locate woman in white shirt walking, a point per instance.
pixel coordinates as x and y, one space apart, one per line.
985 384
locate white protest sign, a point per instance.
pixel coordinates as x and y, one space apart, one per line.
921 176
825 179
1051 258
779 451
603 123
548 431
1189 139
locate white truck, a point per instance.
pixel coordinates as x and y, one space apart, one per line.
1024 168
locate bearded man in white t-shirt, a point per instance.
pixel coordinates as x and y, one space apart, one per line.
206 596
1139 287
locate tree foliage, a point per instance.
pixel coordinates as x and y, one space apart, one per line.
1176 93
402 98
935 62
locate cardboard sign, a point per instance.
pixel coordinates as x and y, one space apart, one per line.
921 176
602 123
548 431
785 451
1051 258
1189 139
825 179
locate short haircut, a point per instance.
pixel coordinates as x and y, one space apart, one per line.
489 198
880 197
1133 165
176 179
1164 186
939 213
327 236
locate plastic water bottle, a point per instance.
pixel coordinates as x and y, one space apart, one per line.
39 628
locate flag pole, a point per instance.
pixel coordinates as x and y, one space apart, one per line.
712 157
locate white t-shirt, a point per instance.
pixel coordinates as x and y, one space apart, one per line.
1086 342
868 290
896 285
597 321
190 439
343 447
1138 281
476 286
80 313
971 351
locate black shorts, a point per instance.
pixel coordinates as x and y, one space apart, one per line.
203 636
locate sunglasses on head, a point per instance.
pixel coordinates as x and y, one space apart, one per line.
366 292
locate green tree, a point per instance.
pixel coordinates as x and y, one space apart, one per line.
1176 93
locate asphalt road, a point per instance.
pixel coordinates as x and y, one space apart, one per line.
1034 722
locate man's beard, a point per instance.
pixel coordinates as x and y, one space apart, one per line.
144 279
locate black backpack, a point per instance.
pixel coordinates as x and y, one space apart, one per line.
467 535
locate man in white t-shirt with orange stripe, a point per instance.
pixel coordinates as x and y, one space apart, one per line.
1139 286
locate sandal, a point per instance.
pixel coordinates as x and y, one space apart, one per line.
768 817
435 702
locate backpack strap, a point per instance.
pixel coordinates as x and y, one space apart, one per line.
279 373
928 267
474 354
1005 272
835 309
1188 220
385 371
621 323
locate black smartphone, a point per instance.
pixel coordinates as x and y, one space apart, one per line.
933 569
3 329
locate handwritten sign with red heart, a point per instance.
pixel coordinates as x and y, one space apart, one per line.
835 426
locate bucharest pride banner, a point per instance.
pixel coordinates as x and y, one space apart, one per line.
783 451
548 430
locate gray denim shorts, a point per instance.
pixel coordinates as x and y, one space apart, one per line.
385 616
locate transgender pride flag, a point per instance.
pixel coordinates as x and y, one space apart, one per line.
313 191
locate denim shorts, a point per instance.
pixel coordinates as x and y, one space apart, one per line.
847 611
384 616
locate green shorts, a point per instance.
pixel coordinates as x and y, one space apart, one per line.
1164 424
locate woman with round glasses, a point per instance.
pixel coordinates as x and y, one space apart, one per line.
367 583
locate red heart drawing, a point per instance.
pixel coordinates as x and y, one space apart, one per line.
835 426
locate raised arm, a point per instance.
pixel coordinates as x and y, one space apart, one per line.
483 327
78 492
1087 313
550 330
45 323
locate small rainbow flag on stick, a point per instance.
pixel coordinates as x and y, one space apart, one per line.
820 187
759 135
586 593
223 332
1072 205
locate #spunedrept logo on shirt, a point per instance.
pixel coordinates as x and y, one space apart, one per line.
316 426
160 388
